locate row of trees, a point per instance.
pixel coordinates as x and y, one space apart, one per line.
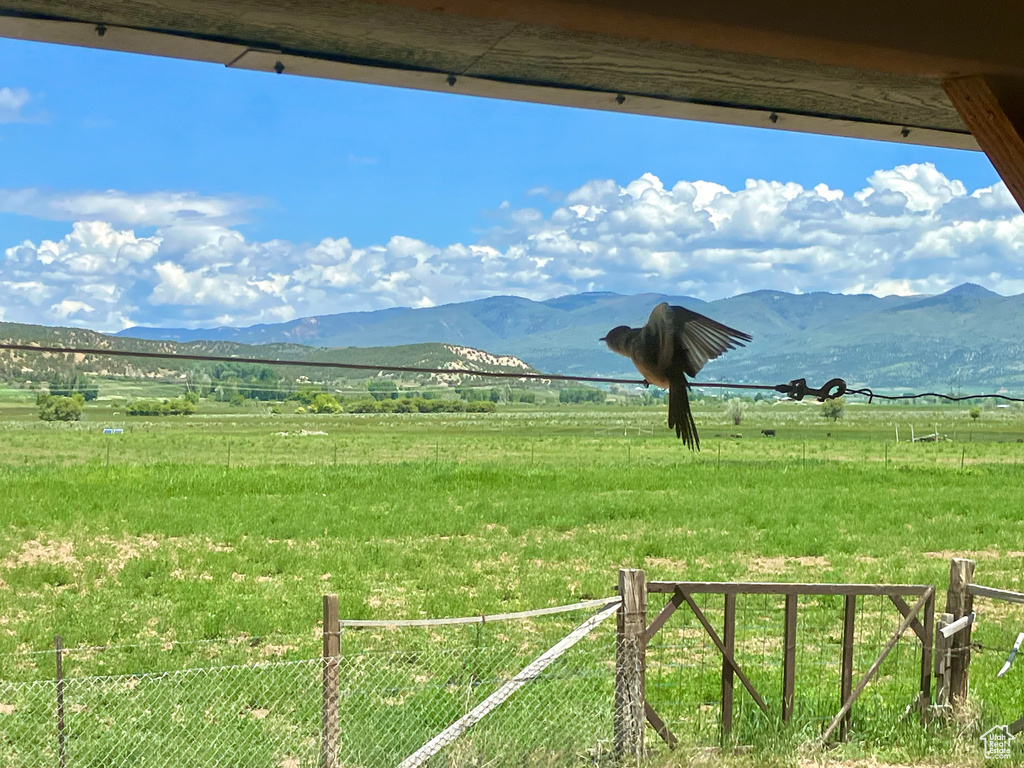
385 389
179 406
327 403
581 395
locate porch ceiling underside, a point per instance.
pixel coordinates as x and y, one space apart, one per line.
869 70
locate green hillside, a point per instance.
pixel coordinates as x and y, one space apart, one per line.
967 337
28 368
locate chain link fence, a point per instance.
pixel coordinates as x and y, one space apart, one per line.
396 691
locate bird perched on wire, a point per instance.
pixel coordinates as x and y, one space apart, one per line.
674 344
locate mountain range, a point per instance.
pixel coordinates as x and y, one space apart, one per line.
965 337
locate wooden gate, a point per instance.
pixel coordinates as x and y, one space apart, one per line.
632 707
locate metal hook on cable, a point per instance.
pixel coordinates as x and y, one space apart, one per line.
798 389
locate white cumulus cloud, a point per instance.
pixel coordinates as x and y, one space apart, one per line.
151 209
12 101
909 230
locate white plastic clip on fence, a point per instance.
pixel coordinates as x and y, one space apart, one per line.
1012 656
962 623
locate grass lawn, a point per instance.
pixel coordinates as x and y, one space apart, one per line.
185 538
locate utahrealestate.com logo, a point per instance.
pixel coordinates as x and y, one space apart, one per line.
997 742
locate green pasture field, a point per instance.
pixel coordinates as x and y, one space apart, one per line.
211 538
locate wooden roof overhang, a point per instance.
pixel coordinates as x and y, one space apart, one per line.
941 73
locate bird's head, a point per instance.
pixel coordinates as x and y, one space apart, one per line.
616 337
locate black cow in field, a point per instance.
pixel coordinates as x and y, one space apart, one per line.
768 432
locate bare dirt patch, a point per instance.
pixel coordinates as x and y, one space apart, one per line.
35 552
780 564
125 549
667 563
949 554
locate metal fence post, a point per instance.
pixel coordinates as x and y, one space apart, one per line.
959 602
332 649
630 653
58 642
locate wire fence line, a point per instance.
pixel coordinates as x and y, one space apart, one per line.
400 689
796 389
397 691
535 690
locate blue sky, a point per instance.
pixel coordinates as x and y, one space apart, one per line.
412 192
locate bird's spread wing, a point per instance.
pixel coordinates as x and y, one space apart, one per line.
680 331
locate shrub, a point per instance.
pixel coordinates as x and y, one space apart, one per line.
481 406
736 411
306 395
325 403
832 409
363 406
60 408
177 407
237 400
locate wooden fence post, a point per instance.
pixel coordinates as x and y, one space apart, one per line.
846 671
789 659
942 658
332 649
728 680
630 654
927 646
959 602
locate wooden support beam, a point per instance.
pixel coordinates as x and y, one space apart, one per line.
728 656
977 590
846 673
728 682
789 659
663 616
903 608
999 134
630 663
960 603
784 588
1016 726
659 726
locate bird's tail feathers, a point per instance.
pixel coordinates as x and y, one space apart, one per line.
681 417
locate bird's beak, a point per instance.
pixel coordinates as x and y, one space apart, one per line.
603 338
